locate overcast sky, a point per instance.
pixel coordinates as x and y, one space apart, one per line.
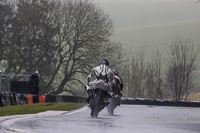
152 22
149 12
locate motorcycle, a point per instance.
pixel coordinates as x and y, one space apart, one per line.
100 92
114 101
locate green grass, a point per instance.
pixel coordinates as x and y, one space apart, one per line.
38 107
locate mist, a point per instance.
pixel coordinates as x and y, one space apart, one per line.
153 23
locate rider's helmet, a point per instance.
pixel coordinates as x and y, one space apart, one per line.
105 62
115 71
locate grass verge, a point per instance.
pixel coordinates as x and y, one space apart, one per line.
38 107
194 96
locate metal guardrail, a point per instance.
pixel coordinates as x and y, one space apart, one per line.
159 102
10 98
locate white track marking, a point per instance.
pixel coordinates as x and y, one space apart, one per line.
19 131
9 120
76 111
7 124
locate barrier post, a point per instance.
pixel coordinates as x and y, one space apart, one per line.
42 99
30 99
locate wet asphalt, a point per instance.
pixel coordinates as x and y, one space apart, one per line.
126 119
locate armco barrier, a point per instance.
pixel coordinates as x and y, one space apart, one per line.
59 98
144 101
35 98
63 98
75 99
50 98
10 98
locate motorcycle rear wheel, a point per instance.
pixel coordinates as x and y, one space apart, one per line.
111 106
95 106
114 102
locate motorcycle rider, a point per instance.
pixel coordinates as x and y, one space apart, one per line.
119 83
101 72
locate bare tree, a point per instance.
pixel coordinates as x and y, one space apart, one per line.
6 16
181 66
136 75
125 75
63 40
154 77
31 42
83 39
157 61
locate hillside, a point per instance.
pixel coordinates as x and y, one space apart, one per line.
194 96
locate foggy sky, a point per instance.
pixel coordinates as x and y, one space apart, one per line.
153 22
149 12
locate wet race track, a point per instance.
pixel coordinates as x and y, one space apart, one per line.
127 119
